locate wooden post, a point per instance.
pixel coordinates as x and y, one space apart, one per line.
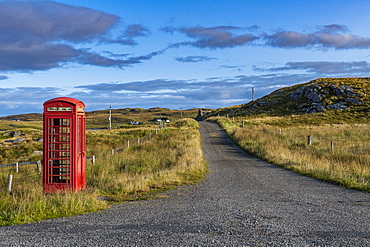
10 181
17 167
279 131
233 119
138 141
38 165
93 159
110 117
112 151
309 140
243 123
128 143
332 146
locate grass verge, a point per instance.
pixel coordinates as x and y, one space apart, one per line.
172 157
338 153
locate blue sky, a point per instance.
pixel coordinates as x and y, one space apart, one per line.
172 53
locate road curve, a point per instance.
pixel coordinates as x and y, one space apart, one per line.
242 202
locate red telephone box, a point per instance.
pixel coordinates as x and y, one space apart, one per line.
64 155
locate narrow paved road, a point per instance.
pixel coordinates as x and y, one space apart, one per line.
242 202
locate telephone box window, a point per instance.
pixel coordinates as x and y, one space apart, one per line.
59 150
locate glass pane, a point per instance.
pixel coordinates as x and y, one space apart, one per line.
59 150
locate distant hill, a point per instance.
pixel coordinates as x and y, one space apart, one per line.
24 117
121 117
346 96
346 99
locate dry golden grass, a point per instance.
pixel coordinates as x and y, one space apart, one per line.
337 153
173 157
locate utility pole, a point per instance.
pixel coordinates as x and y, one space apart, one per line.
252 93
110 117
181 112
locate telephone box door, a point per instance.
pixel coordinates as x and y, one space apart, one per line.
81 152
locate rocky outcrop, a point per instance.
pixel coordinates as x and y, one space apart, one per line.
338 106
41 139
313 96
353 101
320 95
37 153
16 141
22 138
13 133
312 93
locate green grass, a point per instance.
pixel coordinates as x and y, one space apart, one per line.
172 157
10 153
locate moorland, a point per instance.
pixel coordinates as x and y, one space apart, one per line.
319 129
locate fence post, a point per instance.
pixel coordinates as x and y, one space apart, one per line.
17 167
128 143
309 140
38 163
332 146
279 131
138 141
10 181
112 151
93 159
243 123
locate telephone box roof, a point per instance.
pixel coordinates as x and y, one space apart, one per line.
65 99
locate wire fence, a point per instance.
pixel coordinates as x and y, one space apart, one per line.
23 179
38 175
135 141
356 143
17 164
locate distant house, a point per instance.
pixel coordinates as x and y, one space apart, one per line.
134 123
164 119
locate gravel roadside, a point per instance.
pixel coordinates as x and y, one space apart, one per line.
243 202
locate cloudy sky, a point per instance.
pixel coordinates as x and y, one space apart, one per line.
174 54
